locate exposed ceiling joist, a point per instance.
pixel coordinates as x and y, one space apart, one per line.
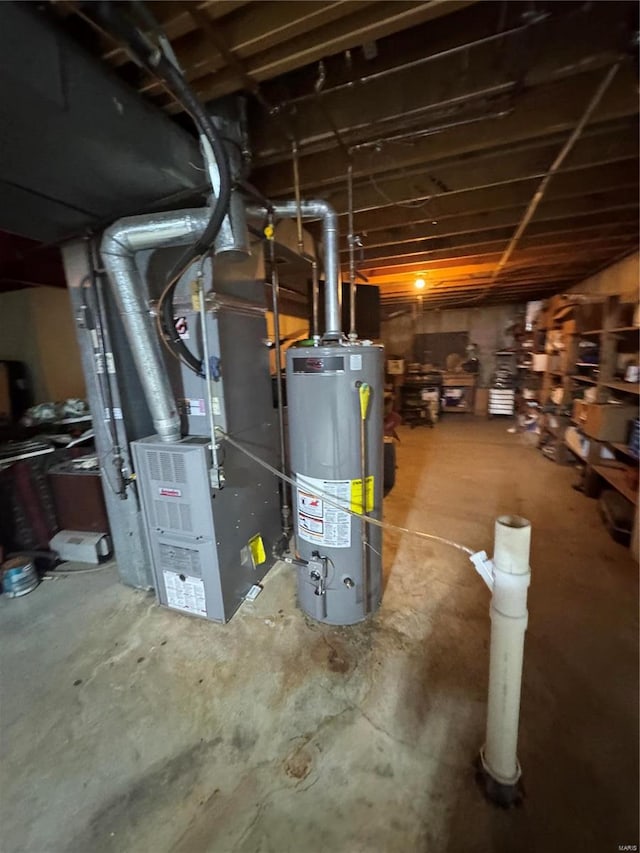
453 112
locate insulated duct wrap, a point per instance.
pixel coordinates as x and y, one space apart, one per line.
118 248
126 237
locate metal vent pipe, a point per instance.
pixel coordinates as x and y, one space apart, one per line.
134 234
332 292
118 248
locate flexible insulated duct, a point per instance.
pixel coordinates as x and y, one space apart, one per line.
134 234
119 245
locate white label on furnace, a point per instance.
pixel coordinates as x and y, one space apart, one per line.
196 407
111 367
318 522
355 362
215 406
187 594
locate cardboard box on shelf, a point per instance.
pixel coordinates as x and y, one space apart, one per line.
540 362
603 421
395 366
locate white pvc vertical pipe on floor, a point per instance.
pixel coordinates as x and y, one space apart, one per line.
509 615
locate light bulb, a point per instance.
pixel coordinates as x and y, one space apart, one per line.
419 284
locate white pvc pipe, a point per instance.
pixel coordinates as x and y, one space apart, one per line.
511 578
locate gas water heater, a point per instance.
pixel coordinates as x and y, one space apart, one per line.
335 411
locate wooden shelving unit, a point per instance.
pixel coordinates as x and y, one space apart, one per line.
616 477
613 336
624 387
622 448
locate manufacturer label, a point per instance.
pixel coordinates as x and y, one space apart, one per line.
185 560
326 364
195 407
111 368
117 414
318 522
170 493
185 593
355 362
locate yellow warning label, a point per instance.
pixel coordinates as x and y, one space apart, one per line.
195 294
356 495
256 546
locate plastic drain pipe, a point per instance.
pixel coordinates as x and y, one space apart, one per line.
508 577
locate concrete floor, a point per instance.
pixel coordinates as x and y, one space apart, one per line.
130 729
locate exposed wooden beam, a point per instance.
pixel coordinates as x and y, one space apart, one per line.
579 183
518 62
175 21
478 263
260 27
615 206
496 168
598 225
552 108
373 22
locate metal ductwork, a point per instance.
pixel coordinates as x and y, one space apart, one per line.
332 293
127 236
119 245
232 239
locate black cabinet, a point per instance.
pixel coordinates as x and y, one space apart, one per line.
420 398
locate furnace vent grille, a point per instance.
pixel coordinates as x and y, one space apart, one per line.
154 467
172 515
165 467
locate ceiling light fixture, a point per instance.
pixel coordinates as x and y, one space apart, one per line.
419 284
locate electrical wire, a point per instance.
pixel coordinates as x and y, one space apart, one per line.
330 501
158 60
161 330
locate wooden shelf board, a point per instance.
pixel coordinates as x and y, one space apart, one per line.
574 451
623 448
585 379
616 477
617 330
626 387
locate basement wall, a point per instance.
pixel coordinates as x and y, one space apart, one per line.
36 327
487 328
620 279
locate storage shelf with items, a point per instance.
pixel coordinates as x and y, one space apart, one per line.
420 396
458 392
528 381
590 399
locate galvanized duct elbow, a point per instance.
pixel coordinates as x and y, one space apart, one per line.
119 245
319 209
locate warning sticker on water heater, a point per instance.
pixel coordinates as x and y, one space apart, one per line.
318 522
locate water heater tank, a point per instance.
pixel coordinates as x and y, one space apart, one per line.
335 399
